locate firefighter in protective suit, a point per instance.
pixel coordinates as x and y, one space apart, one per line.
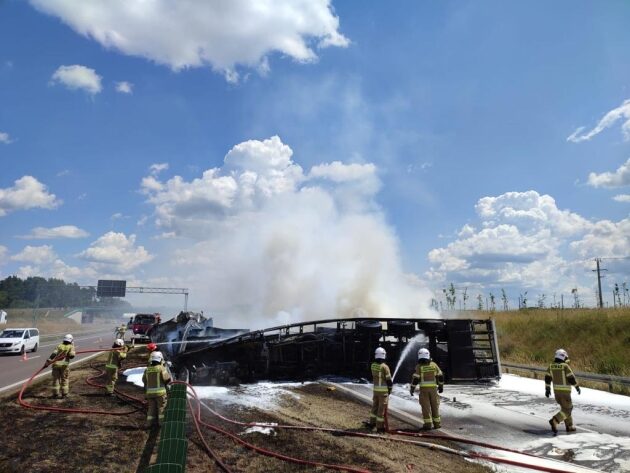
560 373
120 331
382 378
431 380
155 379
60 371
114 362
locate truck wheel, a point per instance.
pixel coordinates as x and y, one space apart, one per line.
34 348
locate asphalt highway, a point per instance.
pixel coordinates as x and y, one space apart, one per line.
14 370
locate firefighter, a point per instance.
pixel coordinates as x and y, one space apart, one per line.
114 362
560 373
155 379
382 378
431 379
60 370
120 331
153 348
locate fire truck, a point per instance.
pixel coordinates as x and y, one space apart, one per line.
141 324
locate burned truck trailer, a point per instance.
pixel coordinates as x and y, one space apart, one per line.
465 350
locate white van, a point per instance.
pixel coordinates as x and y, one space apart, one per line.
19 340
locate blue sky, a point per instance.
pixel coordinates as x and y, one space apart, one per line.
427 107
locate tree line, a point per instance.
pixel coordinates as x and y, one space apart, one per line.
41 292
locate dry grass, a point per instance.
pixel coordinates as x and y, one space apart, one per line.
598 341
43 442
49 321
315 405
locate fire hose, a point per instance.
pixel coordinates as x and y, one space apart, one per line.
28 405
196 415
413 434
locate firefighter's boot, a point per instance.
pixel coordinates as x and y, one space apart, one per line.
571 428
554 425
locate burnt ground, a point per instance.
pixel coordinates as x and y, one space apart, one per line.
41 441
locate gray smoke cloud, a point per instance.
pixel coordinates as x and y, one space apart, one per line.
259 241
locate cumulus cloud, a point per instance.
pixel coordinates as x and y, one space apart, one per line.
622 198
525 242
63 231
116 252
60 270
606 239
5 138
26 193
529 211
619 178
35 254
124 87
78 77
188 33
284 243
621 113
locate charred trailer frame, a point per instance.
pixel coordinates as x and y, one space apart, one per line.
466 350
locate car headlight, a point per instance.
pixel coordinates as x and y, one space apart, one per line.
16 343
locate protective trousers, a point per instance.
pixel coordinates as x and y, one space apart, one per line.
379 407
430 404
111 377
155 410
566 407
60 378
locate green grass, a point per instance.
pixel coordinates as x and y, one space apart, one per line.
598 341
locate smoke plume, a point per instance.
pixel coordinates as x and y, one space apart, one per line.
260 242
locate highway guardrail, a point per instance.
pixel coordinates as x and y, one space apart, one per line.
599 378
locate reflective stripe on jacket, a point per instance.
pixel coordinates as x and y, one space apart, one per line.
68 350
115 357
429 376
560 374
380 376
154 379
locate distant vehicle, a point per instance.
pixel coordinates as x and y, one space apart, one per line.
3 317
19 340
141 324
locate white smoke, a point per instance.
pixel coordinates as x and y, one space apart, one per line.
272 244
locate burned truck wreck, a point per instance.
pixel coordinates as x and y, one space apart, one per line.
186 330
466 350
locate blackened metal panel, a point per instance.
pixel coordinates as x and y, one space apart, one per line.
460 342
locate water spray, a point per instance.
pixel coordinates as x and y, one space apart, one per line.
421 338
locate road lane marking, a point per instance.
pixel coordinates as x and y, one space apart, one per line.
45 373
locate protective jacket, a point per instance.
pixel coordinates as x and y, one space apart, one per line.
65 348
155 379
560 373
381 377
428 375
114 360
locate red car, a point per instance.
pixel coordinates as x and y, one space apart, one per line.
142 323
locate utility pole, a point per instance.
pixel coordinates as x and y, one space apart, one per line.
599 281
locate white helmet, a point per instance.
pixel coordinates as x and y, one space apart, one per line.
68 338
156 356
380 353
423 354
561 354
119 342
